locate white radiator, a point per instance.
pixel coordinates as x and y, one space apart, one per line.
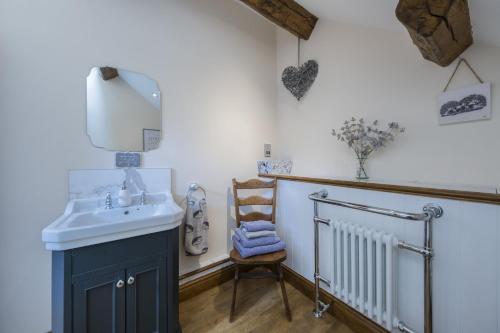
363 271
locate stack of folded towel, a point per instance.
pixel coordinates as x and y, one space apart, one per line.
255 238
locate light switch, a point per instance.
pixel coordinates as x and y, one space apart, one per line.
267 150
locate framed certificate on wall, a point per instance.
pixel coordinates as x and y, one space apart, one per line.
151 139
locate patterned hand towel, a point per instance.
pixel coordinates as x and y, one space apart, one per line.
256 234
246 252
258 226
196 228
260 241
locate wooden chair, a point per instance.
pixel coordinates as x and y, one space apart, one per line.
272 261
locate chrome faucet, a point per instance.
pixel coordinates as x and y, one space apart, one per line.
108 204
142 201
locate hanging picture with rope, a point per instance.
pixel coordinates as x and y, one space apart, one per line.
466 104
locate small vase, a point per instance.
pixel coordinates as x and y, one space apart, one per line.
361 173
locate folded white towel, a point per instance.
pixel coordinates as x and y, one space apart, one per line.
263 233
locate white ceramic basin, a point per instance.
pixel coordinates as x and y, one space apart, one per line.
86 222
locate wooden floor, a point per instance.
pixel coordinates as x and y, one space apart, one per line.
259 308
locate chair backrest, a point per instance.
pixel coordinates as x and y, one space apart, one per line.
254 200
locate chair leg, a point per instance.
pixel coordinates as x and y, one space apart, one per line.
274 269
235 287
283 291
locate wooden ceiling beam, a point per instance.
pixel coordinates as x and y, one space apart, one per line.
288 14
441 29
108 73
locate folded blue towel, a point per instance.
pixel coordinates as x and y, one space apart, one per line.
253 242
259 234
257 226
246 252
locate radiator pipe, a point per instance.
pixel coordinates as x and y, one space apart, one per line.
428 278
319 307
405 329
420 250
432 212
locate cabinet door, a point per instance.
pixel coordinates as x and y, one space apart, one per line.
99 303
146 297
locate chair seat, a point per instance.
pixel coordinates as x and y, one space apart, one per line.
263 259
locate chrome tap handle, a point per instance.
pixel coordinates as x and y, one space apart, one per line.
108 204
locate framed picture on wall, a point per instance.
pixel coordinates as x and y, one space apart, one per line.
151 139
466 104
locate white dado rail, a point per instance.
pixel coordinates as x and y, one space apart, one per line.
466 263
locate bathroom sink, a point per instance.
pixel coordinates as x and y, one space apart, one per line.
86 221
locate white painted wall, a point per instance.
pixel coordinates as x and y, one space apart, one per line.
215 65
466 264
379 74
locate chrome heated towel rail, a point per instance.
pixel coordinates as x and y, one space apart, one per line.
430 212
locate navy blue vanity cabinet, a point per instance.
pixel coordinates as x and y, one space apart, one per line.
125 286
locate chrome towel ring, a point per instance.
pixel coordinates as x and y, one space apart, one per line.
194 187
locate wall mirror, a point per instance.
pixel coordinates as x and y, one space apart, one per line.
123 110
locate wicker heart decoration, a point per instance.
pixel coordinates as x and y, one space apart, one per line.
299 80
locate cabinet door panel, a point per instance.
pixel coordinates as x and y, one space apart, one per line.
146 297
99 305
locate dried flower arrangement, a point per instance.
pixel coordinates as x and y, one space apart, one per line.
365 139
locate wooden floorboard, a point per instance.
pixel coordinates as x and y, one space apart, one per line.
259 308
